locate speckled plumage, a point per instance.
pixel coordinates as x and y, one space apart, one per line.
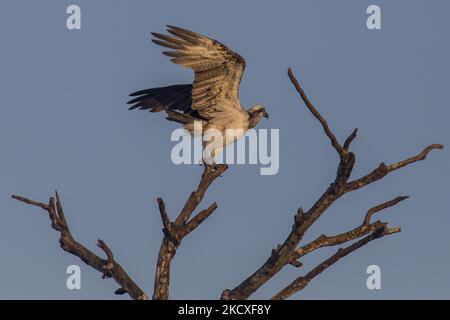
213 97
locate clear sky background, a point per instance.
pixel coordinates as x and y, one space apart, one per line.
64 125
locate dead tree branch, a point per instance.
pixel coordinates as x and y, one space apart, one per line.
174 232
288 252
382 170
340 150
183 224
365 228
301 282
109 267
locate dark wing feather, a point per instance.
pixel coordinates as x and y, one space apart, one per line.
175 98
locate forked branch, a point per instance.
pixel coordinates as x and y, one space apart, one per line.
365 228
175 231
109 267
301 282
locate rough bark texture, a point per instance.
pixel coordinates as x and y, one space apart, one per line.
175 231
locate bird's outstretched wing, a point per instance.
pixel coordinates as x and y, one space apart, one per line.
218 70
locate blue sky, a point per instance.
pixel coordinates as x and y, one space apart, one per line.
64 125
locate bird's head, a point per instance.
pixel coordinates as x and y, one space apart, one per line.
255 114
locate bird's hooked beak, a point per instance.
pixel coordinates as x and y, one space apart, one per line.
266 115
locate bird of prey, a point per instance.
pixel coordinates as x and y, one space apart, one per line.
213 97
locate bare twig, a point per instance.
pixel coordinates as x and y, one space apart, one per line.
164 216
382 170
350 139
109 268
199 218
317 115
421 156
365 228
382 206
32 202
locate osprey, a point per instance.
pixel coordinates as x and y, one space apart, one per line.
212 99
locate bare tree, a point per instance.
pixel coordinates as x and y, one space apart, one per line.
288 253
